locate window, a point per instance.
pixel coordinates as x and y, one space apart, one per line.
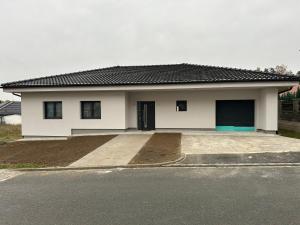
91 110
181 106
53 110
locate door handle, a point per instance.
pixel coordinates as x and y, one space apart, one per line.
145 116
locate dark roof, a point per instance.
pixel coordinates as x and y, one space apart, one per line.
10 108
152 74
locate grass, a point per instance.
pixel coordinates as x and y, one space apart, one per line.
289 133
20 165
9 133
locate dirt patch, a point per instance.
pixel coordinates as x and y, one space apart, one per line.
50 153
161 147
289 133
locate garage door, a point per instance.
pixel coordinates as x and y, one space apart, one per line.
235 115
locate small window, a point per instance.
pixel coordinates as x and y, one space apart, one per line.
53 110
91 110
181 106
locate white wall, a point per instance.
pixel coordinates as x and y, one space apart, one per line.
12 119
269 109
119 109
112 112
201 107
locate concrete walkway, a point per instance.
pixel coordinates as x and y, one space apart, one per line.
118 151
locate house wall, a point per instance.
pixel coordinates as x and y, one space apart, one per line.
269 109
201 107
12 119
112 112
119 109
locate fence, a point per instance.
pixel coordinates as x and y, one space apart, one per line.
289 110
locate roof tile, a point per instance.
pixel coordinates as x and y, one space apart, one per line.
152 74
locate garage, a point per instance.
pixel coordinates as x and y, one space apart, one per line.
235 115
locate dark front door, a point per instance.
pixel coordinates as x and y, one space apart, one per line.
237 113
146 115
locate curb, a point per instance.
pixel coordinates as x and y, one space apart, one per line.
236 165
164 164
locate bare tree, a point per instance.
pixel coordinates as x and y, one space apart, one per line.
279 69
258 69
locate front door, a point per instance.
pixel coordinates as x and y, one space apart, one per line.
146 115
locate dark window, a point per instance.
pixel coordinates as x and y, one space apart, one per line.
53 110
91 110
181 105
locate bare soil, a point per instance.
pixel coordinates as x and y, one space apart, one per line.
50 153
161 147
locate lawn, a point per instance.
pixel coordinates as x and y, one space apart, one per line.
21 154
9 132
161 147
289 133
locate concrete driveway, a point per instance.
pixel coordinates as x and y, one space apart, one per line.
234 143
118 151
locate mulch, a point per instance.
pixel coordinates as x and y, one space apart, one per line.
161 147
51 152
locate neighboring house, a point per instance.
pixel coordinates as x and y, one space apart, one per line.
10 113
294 89
180 96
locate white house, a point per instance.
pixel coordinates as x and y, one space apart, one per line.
180 96
10 113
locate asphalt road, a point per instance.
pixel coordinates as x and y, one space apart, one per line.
219 196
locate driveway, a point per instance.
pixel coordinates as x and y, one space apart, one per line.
237 143
207 148
118 151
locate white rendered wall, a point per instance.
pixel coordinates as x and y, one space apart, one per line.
269 109
201 112
12 119
119 109
112 112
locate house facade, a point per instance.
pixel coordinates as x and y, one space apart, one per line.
10 113
181 96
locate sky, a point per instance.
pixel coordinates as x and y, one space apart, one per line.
49 37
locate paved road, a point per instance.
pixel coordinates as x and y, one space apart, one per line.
231 196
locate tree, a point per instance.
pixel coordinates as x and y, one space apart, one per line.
288 96
279 69
258 69
298 73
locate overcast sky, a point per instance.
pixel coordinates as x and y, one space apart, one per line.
47 37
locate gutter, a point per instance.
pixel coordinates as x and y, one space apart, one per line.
18 95
285 90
